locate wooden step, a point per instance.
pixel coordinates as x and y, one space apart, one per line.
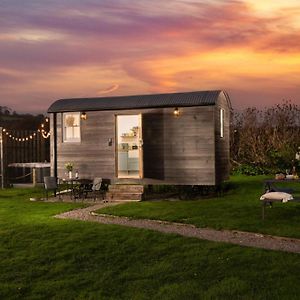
129 188
129 192
112 196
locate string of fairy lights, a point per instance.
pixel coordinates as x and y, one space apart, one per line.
41 130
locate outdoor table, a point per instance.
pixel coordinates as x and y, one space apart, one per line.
270 185
77 186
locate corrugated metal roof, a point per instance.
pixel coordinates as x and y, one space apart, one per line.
202 98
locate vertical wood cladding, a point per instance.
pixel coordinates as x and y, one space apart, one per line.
177 150
153 144
180 150
189 146
92 156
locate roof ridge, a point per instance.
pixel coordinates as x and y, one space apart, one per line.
194 98
141 95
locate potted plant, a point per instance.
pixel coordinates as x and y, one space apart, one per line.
69 167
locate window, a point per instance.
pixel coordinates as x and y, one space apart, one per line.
71 127
221 123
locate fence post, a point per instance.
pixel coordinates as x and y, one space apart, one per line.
34 179
1 158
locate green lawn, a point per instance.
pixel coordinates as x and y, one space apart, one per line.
46 258
239 209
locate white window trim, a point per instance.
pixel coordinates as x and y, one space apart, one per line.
70 140
222 123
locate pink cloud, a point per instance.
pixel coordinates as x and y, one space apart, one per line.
129 36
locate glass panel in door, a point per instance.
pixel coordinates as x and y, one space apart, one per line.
129 146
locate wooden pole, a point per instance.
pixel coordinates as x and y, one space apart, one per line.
34 181
42 148
1 158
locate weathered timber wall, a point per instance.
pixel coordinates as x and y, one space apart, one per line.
177 150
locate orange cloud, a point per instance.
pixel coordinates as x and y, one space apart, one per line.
110 89
247 47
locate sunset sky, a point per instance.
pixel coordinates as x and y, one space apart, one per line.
76 48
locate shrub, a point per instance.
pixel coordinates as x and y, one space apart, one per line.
250 170
265 141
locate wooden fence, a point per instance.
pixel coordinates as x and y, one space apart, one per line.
21 146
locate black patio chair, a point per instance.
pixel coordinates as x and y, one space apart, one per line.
50 184
95 189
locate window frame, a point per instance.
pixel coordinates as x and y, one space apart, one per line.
72 139
222 114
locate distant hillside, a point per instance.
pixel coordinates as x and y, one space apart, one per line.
10 119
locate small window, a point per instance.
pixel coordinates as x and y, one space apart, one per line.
71 127
221 123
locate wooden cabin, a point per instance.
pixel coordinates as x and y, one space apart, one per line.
178 138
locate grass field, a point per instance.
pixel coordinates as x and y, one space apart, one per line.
45 258
239 209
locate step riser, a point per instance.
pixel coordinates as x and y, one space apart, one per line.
119 196
126 188
125 192
115 190
126 185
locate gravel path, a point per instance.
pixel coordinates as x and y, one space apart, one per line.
229 236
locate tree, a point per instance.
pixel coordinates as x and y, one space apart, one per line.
265 140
